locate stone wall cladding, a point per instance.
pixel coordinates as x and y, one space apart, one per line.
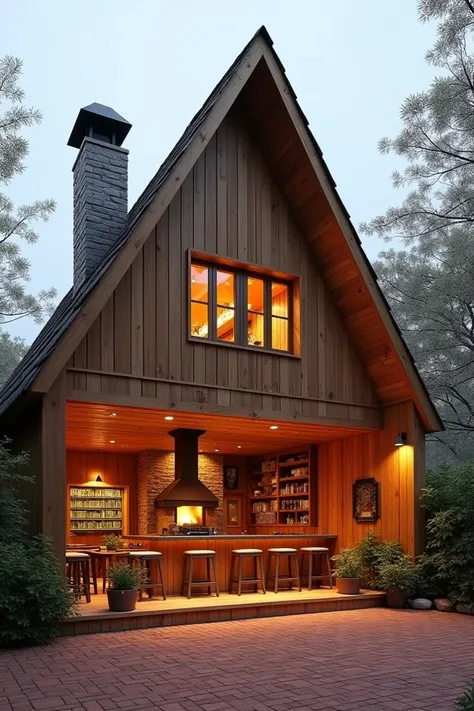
100 203
156 471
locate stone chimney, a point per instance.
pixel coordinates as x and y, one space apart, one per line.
100 186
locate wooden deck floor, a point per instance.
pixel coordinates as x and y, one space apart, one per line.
96 617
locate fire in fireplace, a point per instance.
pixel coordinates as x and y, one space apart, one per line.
189 515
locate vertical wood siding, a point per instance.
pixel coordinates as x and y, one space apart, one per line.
228 205
399 471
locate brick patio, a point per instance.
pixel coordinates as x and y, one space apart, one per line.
378 660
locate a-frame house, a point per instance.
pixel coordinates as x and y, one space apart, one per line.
234 298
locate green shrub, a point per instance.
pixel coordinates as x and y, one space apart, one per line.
447 566
398 575
466 701
348 563
375 554
33 594
123 577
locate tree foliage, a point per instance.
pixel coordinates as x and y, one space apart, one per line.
448 562
33 594
17 222
430 283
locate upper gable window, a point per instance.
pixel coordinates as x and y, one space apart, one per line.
241 307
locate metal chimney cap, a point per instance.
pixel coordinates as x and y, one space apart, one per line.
100 120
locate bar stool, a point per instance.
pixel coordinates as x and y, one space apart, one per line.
239 555
311 552
292 558
189 558
144 560
77 567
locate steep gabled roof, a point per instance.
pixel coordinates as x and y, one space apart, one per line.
76 311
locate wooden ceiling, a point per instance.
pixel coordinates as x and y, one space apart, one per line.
130 429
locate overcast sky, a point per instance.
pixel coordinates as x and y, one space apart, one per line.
350 63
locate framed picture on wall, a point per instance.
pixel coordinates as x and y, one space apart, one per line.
366 500
233 512
231 478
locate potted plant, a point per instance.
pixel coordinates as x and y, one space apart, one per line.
124 583
399 580
112 542
347 571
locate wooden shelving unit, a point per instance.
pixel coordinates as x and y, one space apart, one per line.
283 492
95 509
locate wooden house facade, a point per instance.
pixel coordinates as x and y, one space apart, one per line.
234 299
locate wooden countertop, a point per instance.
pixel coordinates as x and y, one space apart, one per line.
231 537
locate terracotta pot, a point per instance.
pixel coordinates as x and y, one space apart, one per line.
348 586
396 599
122 600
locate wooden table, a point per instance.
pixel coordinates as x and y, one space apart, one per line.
101 560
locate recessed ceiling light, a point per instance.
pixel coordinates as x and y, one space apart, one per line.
216 450
200 450
113 414
273 427
112 441
239 446
169 418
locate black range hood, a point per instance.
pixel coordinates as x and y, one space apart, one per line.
186 489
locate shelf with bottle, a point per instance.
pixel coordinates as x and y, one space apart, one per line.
294 519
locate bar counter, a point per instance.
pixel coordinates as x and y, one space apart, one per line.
173 547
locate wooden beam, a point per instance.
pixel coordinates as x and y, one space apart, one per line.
372 423
54 464
99 296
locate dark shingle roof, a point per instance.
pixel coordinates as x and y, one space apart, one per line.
71 305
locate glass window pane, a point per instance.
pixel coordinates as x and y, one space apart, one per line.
225 289
279 333
225 324
280 293
199 283
255 293
199 320
255 333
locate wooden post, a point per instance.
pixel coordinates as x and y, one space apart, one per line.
53 478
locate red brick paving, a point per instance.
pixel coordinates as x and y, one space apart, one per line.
367 660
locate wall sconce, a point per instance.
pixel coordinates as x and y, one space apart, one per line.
98 478
400 439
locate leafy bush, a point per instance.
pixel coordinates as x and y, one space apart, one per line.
348 563
447 566
399 575
13 514
112 541
466 701
123 577
33 594
374 555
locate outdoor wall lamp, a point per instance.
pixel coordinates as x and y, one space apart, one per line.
400 439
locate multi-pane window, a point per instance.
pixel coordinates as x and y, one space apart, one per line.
240 307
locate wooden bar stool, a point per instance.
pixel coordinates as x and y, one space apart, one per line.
320 554
77 574
239 555
189 558
144 559
291 556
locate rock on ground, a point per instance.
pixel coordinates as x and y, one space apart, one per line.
444 605
420 603
465 609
